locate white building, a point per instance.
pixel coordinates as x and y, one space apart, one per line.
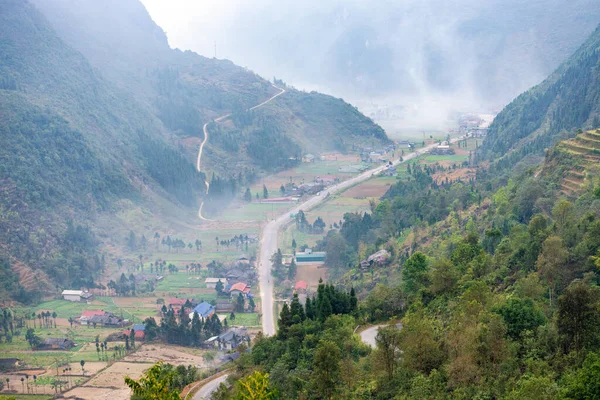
76 295
72 295
211 283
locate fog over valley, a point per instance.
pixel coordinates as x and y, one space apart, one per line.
410 64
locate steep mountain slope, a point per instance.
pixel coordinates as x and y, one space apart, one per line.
492 49
567 99
186 90
85 144
72 147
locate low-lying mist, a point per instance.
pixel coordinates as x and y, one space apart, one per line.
416 61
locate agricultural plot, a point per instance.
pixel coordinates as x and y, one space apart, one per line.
249 320
355 199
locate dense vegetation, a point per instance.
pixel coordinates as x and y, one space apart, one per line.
568 99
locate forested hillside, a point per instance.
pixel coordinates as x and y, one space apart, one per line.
538 118
73 146
100 116
186 90
491 290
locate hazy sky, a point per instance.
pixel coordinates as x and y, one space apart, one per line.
395 59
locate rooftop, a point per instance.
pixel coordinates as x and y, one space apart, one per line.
300 285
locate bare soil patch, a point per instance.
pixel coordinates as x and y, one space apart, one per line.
368 189
151 353
311 273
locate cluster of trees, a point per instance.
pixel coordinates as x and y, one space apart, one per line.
125 286
168 166
313 353
303 225
279 270
162 381
176 328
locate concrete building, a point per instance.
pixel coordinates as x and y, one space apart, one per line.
77 295
211 283
238 288
310 257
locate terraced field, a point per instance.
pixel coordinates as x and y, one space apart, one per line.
586 147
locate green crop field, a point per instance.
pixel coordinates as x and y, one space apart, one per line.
244 319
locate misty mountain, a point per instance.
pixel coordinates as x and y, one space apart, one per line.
186 90
436 54
103 119
568 99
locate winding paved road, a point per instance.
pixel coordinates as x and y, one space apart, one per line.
269 235
205 391
369 334
205 131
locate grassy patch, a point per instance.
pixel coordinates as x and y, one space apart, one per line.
245 319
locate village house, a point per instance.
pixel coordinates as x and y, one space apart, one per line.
56 344
380 258
211 283
279 200
204 310
77 296
9 364
238 288
327 179
225 306
442 149
308 158
228 340
107 319
300 287
308 256
139 332
176 303
390 171
87 314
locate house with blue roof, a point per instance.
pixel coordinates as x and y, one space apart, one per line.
204 310
139 327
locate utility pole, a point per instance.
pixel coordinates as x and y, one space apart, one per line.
215 49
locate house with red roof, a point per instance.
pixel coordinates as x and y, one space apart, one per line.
300 287
176 303
238 288
87 314
139 335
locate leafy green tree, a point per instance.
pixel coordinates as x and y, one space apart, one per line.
32 338
584 383
265 192
551 261
415 273
219 288
255 387
444 276
520 315
420 351
579 316
240 303
326 368
155 384
131 241
388 348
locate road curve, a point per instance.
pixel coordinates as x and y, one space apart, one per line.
369 334
269 234
205 131
209 388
